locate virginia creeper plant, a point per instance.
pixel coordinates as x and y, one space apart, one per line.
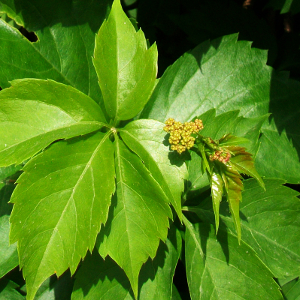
115 177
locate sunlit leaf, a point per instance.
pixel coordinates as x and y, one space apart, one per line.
34 113
59 205
139 216
216 194
147 139
125 66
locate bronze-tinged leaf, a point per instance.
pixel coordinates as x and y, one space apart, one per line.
234 187
243 162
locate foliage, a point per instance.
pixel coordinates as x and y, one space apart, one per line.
114 196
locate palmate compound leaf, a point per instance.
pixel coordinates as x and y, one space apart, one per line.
125 66
146 138
60 201
34 113
220 269
139 216
105 280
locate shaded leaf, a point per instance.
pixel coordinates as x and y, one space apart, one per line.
156 276
291 290
38 112
8 291
268 217
277 157
139 216
222 269
265 218
189 87
66 38
59 205
56 289
99 279
146 139
285 6
8 253
126 68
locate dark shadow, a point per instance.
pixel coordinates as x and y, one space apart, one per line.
285 106
94 270
8 177
40 14
62 286
222 238
178 159
150 268
105 230
30 36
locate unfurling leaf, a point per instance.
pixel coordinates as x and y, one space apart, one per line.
242 161
234 187
216 193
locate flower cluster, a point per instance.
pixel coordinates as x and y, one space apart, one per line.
180 134
220 155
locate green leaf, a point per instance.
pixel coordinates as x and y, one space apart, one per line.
34 113
99 279
291 290
6 172
126 68
224 74
198 180
146 138
222 269
8 291
216 127
66 38
139 216
277 157
60 201
216 194
56 289
234 187
175 293
270 224
157 276
285 6
8 253
242 161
